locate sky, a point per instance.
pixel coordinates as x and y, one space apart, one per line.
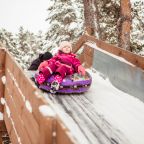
28 13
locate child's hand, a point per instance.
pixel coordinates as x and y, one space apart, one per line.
81 70
42 65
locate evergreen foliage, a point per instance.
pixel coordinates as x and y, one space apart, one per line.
137 33
66 21
24 46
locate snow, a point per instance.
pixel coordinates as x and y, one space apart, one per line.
3 80
2 100
122 110
28 106
1 116
46 111
7 110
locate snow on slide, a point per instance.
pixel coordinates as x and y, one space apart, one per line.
103 115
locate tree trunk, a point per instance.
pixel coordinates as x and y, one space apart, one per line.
91 18
124 24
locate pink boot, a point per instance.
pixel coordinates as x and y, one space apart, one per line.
40 78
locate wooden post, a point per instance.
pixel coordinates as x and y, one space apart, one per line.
124 24
2 71
87 56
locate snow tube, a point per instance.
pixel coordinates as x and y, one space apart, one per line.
71 84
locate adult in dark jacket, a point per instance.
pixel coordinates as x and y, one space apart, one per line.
42 57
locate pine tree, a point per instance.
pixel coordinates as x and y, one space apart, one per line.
66 23
137 32
109 12
7 39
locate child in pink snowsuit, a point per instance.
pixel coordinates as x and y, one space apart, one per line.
62 64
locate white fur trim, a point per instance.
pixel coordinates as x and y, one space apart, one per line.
49 69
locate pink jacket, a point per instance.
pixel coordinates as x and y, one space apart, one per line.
68 60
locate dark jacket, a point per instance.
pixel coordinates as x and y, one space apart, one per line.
42 57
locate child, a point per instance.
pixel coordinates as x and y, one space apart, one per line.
62 64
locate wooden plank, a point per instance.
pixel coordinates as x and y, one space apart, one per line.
9 81
24 83
2 71
28 90
29 121
63 136
88 56
14 91
81 57
2 58
37 100
129 56
17 97
17 73
47 127
7 121
14 138
31 125
17 120
1 90
9 62
10 128
79 43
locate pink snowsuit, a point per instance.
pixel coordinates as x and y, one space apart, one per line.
62 64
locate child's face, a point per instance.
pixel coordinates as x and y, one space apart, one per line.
66 49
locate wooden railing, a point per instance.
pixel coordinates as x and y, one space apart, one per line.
87 54
25 122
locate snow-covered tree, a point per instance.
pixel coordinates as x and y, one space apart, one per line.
43 44
137 33
109 12
7 40
91 16
65 20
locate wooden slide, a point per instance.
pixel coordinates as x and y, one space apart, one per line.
34 117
